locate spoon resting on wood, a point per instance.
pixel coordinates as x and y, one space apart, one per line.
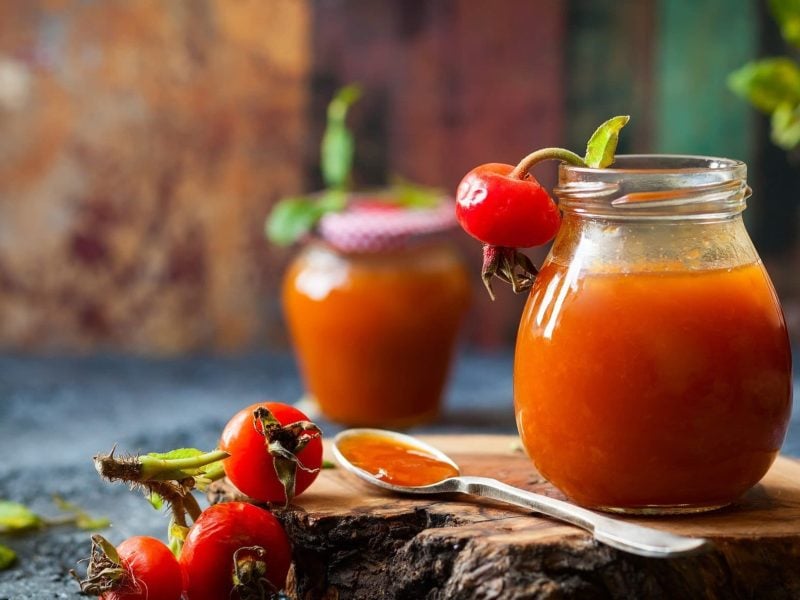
401 463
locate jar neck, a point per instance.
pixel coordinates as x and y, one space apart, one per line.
597 244
656 187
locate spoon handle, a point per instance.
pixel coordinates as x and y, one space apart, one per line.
619 534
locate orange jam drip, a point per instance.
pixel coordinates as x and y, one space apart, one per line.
393 461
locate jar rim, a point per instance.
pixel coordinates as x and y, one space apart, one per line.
683 164
660 186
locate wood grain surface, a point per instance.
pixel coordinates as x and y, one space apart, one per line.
355 541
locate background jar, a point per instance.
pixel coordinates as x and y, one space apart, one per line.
652 369
374 305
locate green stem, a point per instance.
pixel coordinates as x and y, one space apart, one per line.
545 154
176 468
214 472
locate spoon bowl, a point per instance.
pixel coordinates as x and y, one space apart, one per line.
636 539
349 434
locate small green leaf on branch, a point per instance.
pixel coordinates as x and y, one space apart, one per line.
603 143
177 453
338 146
176 465
291 219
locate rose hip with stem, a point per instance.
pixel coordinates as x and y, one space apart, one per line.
236 551
506 208
140 568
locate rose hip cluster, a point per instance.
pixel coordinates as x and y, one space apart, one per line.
271 452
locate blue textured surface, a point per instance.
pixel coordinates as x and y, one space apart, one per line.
55 413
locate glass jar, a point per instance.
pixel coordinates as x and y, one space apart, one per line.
374 321
653 370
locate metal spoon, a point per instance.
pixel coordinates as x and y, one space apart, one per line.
636 539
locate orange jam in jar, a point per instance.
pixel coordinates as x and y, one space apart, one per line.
653 370
374 321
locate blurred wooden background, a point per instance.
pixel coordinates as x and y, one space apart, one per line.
143 142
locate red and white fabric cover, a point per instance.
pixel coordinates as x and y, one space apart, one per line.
374 225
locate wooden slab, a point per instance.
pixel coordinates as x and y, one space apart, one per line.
354 541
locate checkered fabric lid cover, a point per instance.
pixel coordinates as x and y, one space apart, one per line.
374 225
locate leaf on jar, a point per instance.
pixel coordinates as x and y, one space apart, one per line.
603 143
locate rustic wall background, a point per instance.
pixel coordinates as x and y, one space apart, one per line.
142 142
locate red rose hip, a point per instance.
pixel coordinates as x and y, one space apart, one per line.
503 210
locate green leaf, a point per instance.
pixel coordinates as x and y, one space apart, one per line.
786 126
342 100
767 83
7 557
16 517
336 155
331 201
177 453
603 143
176 537
338 145
327 464
412 195
82 519
787 15
291 219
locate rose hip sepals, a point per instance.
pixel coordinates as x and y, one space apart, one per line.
250 574
105 571
140 568
275 452
507 264
284 443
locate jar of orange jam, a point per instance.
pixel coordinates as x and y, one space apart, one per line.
653 371
374 305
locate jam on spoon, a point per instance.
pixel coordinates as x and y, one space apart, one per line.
394 461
